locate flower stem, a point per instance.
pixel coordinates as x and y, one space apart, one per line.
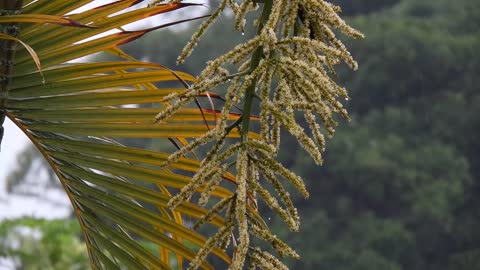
255 61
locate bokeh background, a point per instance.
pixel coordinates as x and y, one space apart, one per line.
400 188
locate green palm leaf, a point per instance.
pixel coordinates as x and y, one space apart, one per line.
71 112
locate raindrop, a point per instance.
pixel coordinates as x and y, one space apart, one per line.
346 99
243 33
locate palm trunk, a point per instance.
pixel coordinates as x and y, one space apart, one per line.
7 54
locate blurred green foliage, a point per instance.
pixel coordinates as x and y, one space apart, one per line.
32 244
400 187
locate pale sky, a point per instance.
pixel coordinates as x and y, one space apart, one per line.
15 141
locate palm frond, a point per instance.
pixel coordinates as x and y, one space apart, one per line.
73 112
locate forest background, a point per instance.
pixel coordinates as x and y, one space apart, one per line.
400 186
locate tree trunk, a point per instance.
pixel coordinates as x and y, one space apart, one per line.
7 53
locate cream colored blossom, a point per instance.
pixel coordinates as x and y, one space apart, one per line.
283 72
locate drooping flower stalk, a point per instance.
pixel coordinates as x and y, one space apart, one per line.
284 70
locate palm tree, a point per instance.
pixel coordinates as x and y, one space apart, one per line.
67 110
128 198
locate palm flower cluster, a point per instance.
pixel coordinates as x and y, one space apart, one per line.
282 72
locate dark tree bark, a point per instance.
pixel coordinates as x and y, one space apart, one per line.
7 53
